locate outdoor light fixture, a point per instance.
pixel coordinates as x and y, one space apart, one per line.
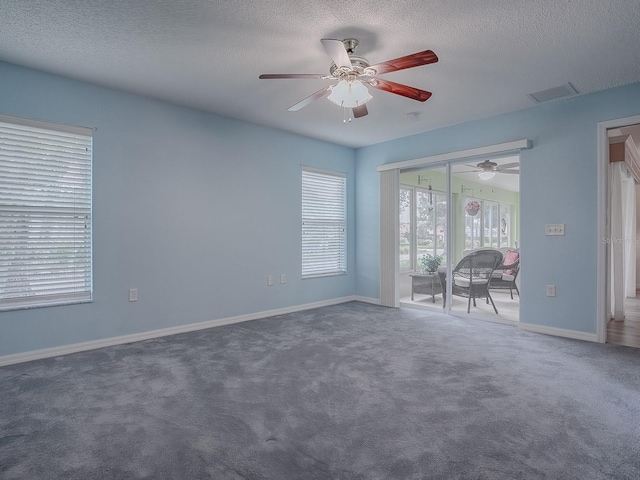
349 94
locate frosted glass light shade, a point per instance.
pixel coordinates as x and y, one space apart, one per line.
486 175
349 95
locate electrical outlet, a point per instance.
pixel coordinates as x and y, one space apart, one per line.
551 290
283 278
133 294
270 280
554 229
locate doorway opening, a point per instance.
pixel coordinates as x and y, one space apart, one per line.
449 212
622 244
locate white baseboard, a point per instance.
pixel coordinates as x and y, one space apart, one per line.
559 332
163 332
374 301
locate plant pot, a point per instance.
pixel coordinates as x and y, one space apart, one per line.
472 213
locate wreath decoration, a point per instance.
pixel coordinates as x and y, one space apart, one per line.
472 208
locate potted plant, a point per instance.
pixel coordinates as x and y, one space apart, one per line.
430 263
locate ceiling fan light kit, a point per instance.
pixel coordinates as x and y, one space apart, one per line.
354 74
349 94
486 175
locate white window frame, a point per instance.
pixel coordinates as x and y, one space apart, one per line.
45 214
413 243
504 240
412 229
324 223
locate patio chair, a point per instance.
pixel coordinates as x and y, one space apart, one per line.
472 276
504 276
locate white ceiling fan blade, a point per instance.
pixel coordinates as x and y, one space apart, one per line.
508 165
515 172
335 49
275 76
314 96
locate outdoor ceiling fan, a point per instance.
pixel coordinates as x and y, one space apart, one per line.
487 169
354 75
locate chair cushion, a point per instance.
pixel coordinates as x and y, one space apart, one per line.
509 259
508 278
464 281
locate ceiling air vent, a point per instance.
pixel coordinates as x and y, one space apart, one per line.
555 93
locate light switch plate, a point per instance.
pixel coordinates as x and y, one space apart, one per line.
554 229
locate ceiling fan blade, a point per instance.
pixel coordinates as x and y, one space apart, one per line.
400 89
335 49
409 61
359 111
314 96
273 76
509 165
466 171
515 172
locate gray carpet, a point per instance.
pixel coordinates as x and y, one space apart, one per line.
352 391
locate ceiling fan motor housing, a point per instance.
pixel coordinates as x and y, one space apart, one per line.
359 67
350 44
488 166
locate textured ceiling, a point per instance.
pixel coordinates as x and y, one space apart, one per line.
208 54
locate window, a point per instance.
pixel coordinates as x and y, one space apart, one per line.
489 227
431 222
423 225
324 223
406 232
45 214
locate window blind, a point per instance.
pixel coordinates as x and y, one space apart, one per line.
324 223
45 214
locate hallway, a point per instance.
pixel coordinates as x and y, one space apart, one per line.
628 332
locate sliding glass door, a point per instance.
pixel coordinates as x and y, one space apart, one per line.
423 235
446 213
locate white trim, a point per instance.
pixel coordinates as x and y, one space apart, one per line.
500 148
389 238
44 125
602 214
324 172
559 332
137 337
449 240
373 301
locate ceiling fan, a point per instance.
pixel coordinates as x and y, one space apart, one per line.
354 74
488 169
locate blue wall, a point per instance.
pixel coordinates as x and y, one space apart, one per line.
193 209
558 184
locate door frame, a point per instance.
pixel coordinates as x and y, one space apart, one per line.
603 219
390 270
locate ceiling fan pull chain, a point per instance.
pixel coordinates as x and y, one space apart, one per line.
344 115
